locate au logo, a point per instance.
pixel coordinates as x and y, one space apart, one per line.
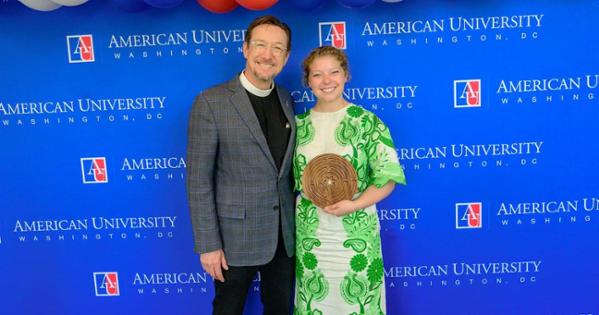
106 283
332 34
468 215
81 48
466 93
94 170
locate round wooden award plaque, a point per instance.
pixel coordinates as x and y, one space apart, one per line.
328 179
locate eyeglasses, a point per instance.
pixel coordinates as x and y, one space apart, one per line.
260 47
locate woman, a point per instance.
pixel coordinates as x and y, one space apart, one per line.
339 266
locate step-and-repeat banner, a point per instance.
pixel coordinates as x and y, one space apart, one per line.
493 106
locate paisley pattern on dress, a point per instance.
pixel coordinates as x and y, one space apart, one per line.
339 265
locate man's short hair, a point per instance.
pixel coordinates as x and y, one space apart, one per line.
268 20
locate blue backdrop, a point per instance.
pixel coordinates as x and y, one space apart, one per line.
492 105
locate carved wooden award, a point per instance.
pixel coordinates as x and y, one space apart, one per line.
329 178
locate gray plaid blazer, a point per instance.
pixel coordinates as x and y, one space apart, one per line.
236 195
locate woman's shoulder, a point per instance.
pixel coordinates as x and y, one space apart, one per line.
357 111
302 116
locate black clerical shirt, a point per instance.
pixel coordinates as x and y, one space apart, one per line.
275 126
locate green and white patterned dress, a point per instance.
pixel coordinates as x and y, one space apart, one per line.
339 265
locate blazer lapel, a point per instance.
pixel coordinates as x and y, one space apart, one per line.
287 105
241 102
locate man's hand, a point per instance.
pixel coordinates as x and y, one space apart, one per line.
213 262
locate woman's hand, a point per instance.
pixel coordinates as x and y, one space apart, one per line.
341 208
369 197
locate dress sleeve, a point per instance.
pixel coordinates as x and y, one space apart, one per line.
382 157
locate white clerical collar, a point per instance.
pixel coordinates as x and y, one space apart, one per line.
252 88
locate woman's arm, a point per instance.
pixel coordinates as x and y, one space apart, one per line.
371 195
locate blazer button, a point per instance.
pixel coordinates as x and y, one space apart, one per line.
275 208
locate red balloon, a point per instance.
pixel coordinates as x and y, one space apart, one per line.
218 6
257 5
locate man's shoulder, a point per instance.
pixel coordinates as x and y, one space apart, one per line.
220 91
282 89
284 95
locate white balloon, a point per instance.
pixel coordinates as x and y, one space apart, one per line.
41 5
70 3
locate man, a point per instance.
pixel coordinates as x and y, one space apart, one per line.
241 139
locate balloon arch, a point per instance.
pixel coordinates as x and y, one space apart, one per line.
214 6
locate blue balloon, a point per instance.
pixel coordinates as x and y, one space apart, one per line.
356 4
306 4
130 5
164 4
